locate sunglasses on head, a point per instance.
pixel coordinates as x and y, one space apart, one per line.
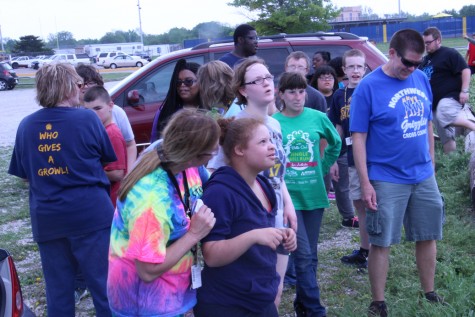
408 63
187 82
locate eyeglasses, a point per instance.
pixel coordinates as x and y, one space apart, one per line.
429 42
90 84
294 67
260 81
355 67
408 63
80 84
253 38
188 82
326 78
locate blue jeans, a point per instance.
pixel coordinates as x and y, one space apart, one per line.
61 259
306 262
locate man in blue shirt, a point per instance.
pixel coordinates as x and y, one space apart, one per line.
245 45
393 146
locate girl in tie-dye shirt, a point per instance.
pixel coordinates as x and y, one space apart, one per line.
152 234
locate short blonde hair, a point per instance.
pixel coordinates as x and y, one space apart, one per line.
55 83
215 79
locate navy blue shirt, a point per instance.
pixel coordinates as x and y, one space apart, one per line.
60 151
251 281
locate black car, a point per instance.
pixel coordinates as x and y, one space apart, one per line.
11 298
8 77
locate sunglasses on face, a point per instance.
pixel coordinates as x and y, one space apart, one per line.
187 82
408 63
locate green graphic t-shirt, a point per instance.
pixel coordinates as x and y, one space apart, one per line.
305 169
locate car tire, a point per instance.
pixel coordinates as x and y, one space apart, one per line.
113 66
11 87
3 85
15 65
139 64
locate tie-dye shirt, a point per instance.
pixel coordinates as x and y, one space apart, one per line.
150 219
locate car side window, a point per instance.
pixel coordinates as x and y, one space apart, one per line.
154 87
274 58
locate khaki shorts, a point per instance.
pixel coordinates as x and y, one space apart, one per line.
355 187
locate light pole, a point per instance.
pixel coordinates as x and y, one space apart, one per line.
140 24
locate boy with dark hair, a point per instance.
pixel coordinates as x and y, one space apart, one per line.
97 99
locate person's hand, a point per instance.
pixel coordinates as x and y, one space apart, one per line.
369 197
334 172
270 237
465 36
290 218
201 223
463 97
290 239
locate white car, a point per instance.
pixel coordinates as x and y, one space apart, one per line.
124 61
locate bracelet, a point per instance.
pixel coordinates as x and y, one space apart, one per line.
465 91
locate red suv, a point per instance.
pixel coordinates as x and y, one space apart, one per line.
140 106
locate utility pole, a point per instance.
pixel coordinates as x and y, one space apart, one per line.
140 24
1 39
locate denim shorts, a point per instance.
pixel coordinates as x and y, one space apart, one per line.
417 207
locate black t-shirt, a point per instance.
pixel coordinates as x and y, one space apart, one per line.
443 68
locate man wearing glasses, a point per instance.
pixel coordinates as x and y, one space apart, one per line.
393 147
245 45
449 77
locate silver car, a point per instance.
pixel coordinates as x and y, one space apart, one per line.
124 61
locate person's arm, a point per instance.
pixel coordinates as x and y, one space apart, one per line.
359 155
222 252
290 218
115 175
131 154
470 40
430 134
201 224
332 151
466 75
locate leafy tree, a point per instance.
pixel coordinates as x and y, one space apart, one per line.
30 44
177 35
289 16
120 37
63 39
113 37
467 11
211 30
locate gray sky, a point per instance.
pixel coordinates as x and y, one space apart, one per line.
94 18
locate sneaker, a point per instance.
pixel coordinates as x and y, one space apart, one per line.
331 196
79 293
356 259
378 309
433 297
350 222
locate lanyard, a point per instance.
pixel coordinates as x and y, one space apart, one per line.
186 199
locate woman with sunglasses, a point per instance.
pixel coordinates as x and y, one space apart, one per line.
253 85
184 92
60 150
154 232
